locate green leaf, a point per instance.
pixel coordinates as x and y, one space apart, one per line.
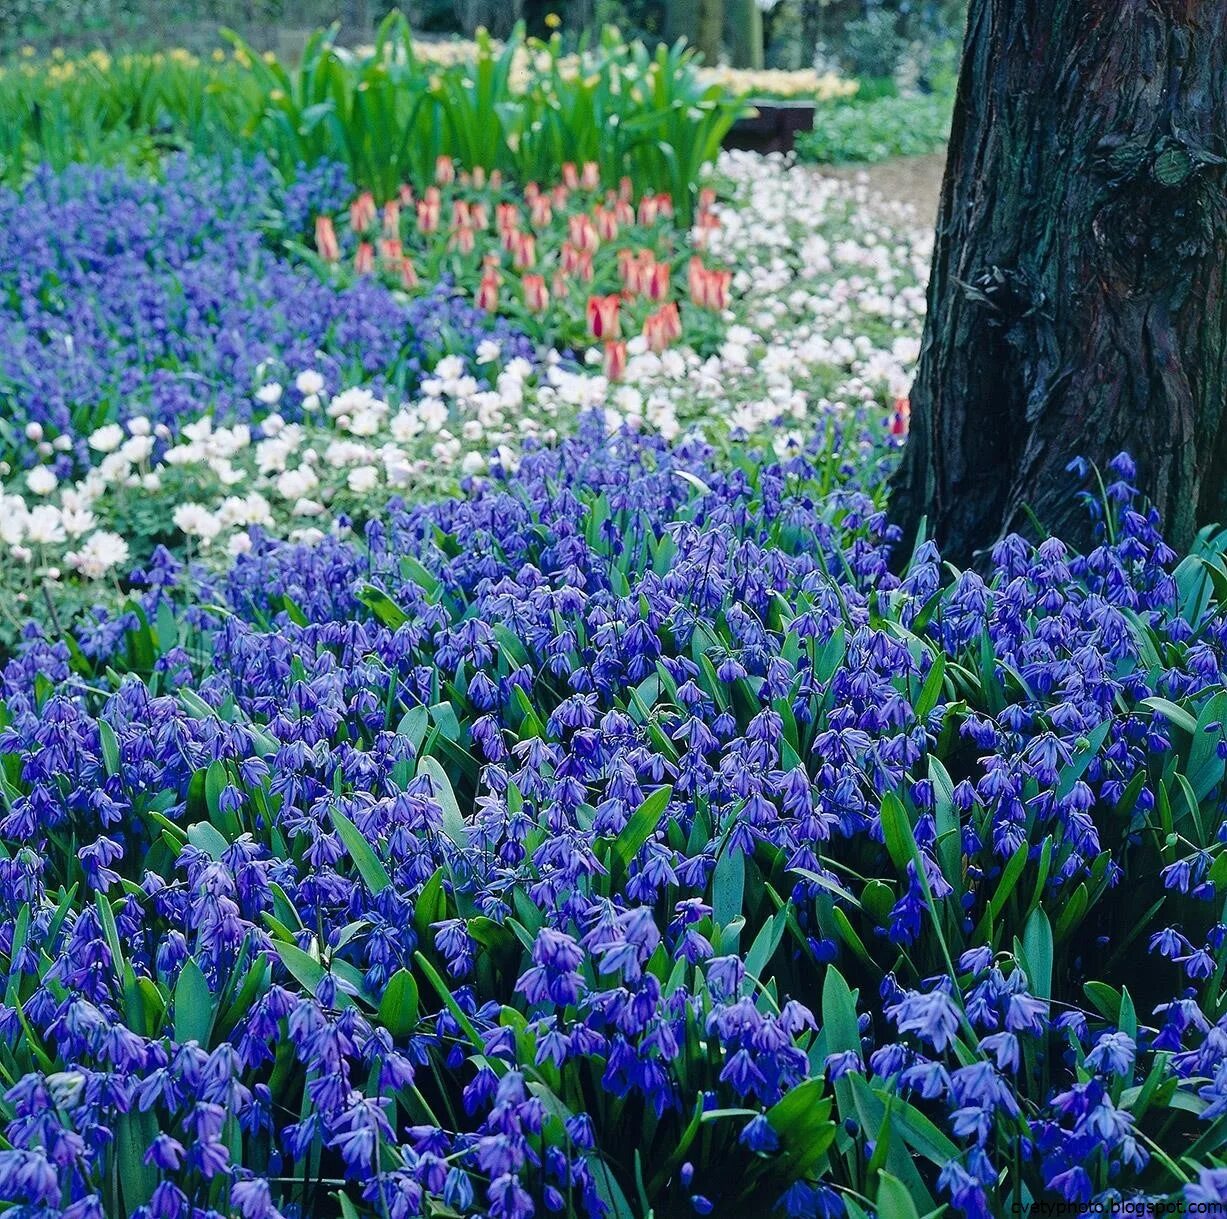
110 747
894 1201
194 1005
1172 712
398 1009
641 826
1037 953
453 823
206 838
897 831
370 866
802 1119
134 1132
1106 999
307 970
931 691
216 779
383 607
728 886
839 1020
414 724
431 906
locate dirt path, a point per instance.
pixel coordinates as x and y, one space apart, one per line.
911 180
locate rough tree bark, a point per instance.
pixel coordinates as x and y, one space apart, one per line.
1076 304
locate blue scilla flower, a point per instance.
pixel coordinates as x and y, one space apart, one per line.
932 1015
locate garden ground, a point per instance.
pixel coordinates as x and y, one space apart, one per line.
914 181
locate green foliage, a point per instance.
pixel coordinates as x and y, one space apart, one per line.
873 46
523 107
876 130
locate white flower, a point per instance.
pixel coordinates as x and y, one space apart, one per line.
238 543
42 480
44 526
433 414
350 401
488 351
101 552
404 426
473 462
309 382
269 395
137 449
77 521
307 507
293 484
34 430
139 425
450 368
197 521
363 479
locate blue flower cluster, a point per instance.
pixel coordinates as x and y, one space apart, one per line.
122 296
624 836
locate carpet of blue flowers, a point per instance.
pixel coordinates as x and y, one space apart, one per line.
635 833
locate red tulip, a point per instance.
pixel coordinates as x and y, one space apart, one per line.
901 417
603 316
524 252
506 218
429 209
362 212
663 328
606 223
536 294
487 290
615 360
541 212
582 232
326 244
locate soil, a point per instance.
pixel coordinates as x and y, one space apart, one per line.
915 181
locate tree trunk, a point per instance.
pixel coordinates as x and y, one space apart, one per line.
745 30
711 29
1076 303
682 21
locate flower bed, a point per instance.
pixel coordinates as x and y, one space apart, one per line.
623 836
192 414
